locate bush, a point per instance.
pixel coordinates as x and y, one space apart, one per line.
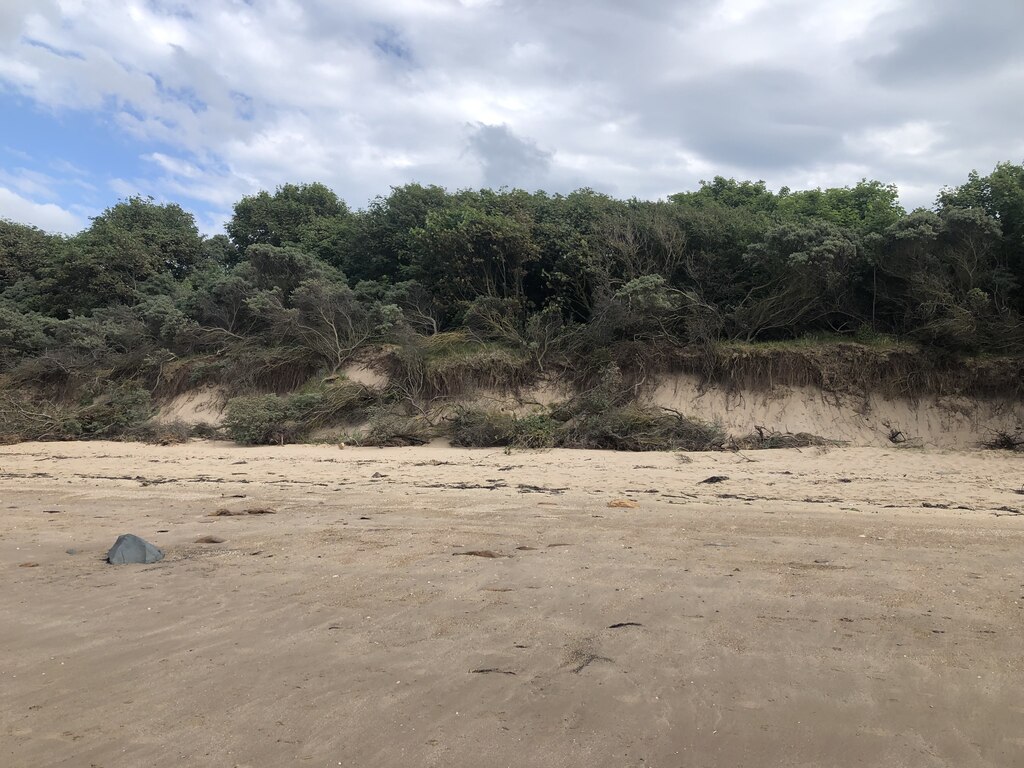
636 427
1005 440
206 431
22 333
341 401
632 427
161 432
608 391
22 418
764 439
388 430
481 428
116 411
536 431
423 368
250 367
276 420
261 420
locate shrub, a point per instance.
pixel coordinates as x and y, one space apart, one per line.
423 368
481 428
535 431
387 429
632 427
251 367
22 418
161 432
276 420
609 390
206 431
116 411
636 427
341 401
763 439
1005 440
260 420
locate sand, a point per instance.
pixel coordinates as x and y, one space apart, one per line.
867 420
857 606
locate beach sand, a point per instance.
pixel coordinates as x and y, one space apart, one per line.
842 607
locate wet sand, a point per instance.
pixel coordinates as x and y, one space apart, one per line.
855 606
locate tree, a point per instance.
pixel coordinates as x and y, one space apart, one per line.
747 195
381 244
166 232
24 252
220 250
642 239
803 274
465 252
282 218
718 237
330 320
128 244
942 283
1001 196
870 206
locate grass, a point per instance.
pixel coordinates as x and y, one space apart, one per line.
426 368
878 341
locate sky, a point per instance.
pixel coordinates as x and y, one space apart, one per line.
203 102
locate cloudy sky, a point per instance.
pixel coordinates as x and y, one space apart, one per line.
203 101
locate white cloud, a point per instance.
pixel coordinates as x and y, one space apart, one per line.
46 216
643 98
913 139
30 183
174 165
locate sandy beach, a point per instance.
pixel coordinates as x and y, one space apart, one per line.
447 607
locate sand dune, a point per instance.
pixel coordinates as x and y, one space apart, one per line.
855 606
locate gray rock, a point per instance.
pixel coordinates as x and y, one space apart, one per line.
129 548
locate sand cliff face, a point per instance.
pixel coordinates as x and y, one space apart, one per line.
196 406
940 421
871 420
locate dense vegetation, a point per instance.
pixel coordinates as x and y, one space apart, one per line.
496 287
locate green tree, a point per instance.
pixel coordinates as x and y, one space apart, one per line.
466 252
381 239
941 281
284 217
1001 196
720 191
869 206
128 244
803 276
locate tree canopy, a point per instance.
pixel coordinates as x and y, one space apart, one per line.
299 271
